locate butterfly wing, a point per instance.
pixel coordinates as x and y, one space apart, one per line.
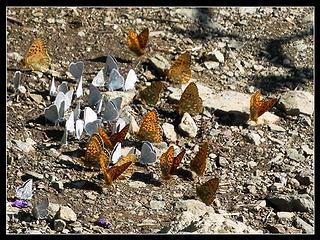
180 71
94 95
111 63
79 128
76 69
148 155
116 153
151 94
116 80
130 80
110 112
207 191
119 136
190 101
25 191
115 171
94 149
137 43
166 162
51 113
199 163
107 142
176 162
40 210
143 39
150 129
129 158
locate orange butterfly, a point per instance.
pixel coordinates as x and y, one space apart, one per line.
137 43
190 101
169 163
151 94
95 148
207 190
259 107
180 71
111 174
37 58
111 141
150 129
199 163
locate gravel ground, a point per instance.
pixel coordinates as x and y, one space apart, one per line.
266 171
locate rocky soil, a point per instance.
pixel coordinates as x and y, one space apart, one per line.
266 170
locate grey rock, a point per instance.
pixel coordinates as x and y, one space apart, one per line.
192 13
137 184
67 214
157 205
52 152
306 228
290 203
285 215
169 133
253 138
296 102
53 208
248 10
211 65
35 175
127 96
37 98
218 56
59 225
188 126
24 146
159 63
222 161
276 128
294 155
58 185
307 150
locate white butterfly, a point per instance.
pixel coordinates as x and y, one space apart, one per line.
116 80
120 124
102 77
40 210
53 89
79 128
55 113
95 99
76 69
70 124
111 109
66 97
116 153
79 91
148 154
91 121
130 80
25 191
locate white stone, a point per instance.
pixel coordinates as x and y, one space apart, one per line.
188 126
169 133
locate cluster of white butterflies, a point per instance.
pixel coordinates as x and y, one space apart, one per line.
99 109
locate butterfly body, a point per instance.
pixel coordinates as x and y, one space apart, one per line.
137 43
190 101
259 107
37 58
169 163
207 190
150 129
180 71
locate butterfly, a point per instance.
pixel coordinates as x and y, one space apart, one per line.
111 109
112 173
102 76
91 121
79 91
259 107
180 71
148 154
130 80
150 129
190 101
111 141
37 58
169 163
119 125
151 94
198 163
207 190
76 69
116 80
137 43
116 153
69 128
25 191
95 98
95 148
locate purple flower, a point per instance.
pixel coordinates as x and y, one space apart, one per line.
103 223
19 204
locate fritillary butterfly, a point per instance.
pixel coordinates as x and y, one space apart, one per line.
259 107
137 43
169 163
190 101
150 129
199 163
151 94
111 141
37 58
129 158
95 147
180 71
207 191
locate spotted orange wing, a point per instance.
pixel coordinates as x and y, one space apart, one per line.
169 163
180 71
106 139
114 172
207 190
150 129
151 94
37 58
190 101
199 163
119 136
94 148
259 107
137 43
129 158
